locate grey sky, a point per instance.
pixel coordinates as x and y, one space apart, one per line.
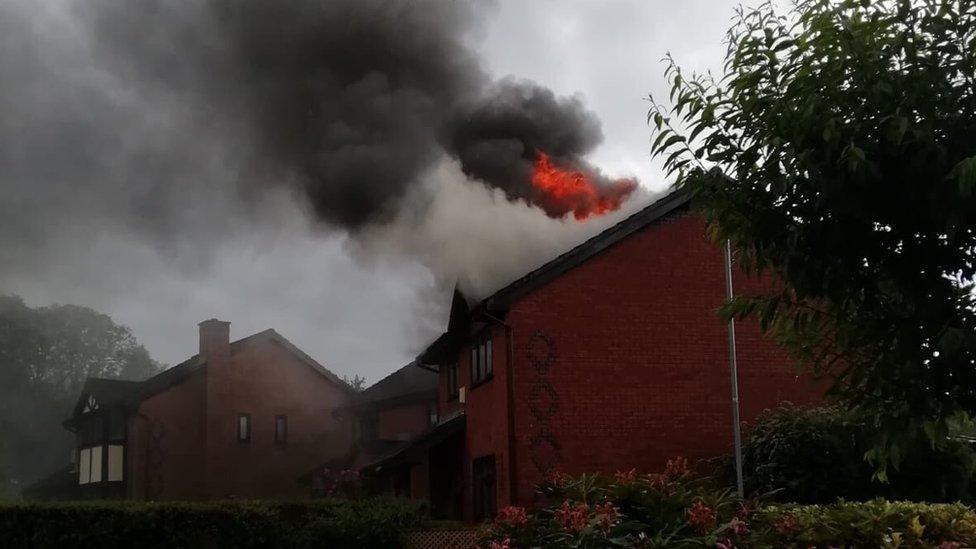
360 306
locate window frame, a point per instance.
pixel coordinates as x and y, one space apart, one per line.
247 423
453 385
120 448
281 435
482 359
433 414
84 466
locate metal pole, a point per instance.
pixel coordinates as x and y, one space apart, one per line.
736 429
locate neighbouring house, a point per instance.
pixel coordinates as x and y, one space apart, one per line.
611 356
240 419
387 417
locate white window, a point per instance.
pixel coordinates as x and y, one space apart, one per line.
116 463
84 461
90 464
244 428
96 464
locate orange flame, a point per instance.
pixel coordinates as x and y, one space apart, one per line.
564 191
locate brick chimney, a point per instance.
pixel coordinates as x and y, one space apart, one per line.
214 339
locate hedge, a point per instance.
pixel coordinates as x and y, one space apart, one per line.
378 522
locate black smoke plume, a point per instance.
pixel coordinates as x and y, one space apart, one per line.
360 98
173 119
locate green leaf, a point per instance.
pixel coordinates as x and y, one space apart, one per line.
964 174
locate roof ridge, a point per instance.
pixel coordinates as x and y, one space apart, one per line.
678 196
391 374
329 374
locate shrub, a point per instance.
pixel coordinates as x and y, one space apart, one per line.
629 509
816 455
678 509
326 523
876 523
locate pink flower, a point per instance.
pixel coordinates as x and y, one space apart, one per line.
739 527
574 519
701 516
950 545
725 544
512 516
607 515
504 544
625 477
555 477
786 525
676 467
744 510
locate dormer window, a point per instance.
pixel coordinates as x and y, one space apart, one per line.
90 405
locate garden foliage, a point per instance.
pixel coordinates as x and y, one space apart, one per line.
108 525
815 455
837 150
678 509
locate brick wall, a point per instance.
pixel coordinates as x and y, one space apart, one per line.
623 362
403 422
486 410
265 380
182 443
165 444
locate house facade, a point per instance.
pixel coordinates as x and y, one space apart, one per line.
240 419
386 418
611 356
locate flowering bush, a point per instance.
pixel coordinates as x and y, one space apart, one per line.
676 508
344 483
627 509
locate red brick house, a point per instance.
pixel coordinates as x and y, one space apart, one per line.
387 417
240 419
611 356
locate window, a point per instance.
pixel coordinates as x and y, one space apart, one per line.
281 429
452 380
116 462
432 413
481 360
483 477
90 465
96 464
244 428
84 466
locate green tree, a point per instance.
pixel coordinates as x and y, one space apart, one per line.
45 356
357 382
838 151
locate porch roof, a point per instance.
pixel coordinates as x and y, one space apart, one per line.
414 449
